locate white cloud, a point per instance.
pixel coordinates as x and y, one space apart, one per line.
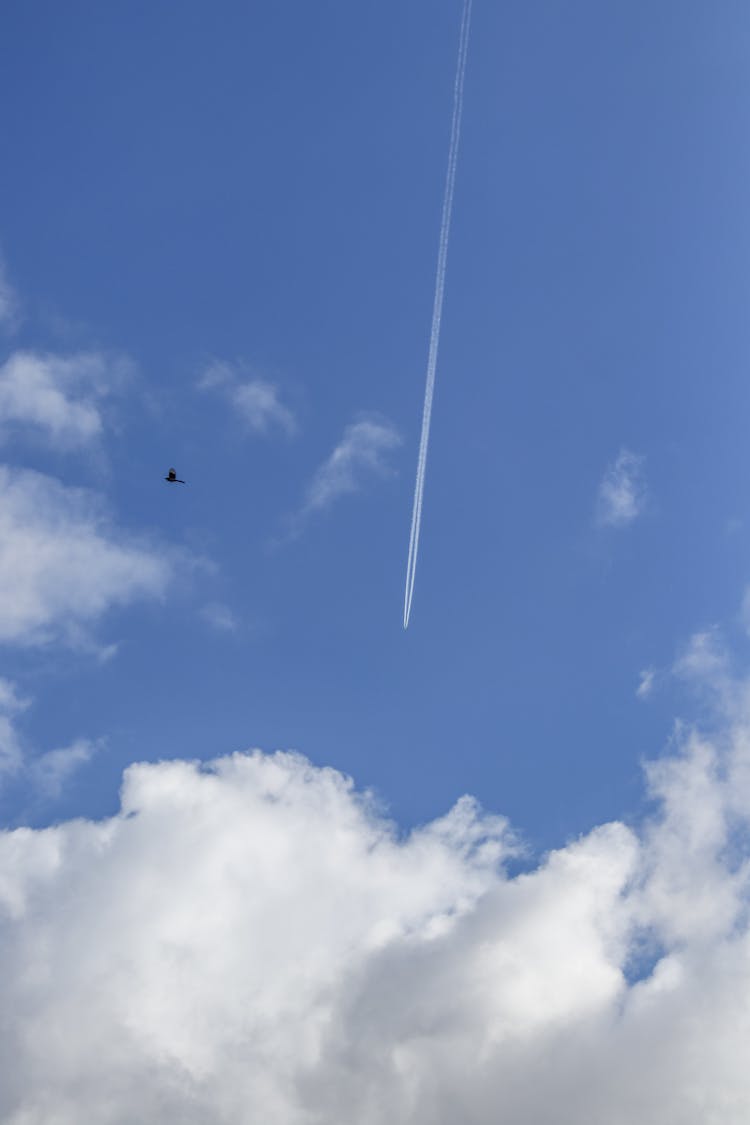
58 396
9 303
745 611
46 772
251 941
50 772
622 491
62 564
255 400
11 704
646 683
219 616
362 451
705 657
705 665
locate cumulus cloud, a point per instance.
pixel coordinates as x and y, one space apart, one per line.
9 303
58 397
62 564
622 491
251 941
255 400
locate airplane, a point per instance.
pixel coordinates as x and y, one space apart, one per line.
173 478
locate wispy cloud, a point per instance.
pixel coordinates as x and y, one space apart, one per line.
63 563
11 704
9 303
705 658
362 452
705 665
745 611
59 397
646 683
622 491
46 773
219 617
50 772
256 401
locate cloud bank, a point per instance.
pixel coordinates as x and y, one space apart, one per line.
252 941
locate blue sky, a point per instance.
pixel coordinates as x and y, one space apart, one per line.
218 238
261 187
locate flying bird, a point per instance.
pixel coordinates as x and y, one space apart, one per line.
173 478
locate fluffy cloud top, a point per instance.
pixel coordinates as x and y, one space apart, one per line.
255 400
251 941
61 563
622 491
59 396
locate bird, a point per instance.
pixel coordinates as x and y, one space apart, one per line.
173 478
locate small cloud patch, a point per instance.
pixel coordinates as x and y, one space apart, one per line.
9 302
219 617
256 402
361 453
622 491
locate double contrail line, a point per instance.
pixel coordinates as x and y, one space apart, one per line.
437 308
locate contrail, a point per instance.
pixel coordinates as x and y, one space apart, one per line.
437 308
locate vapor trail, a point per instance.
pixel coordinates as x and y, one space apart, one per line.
437 308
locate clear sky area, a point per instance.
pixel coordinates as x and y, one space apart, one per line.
218 240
